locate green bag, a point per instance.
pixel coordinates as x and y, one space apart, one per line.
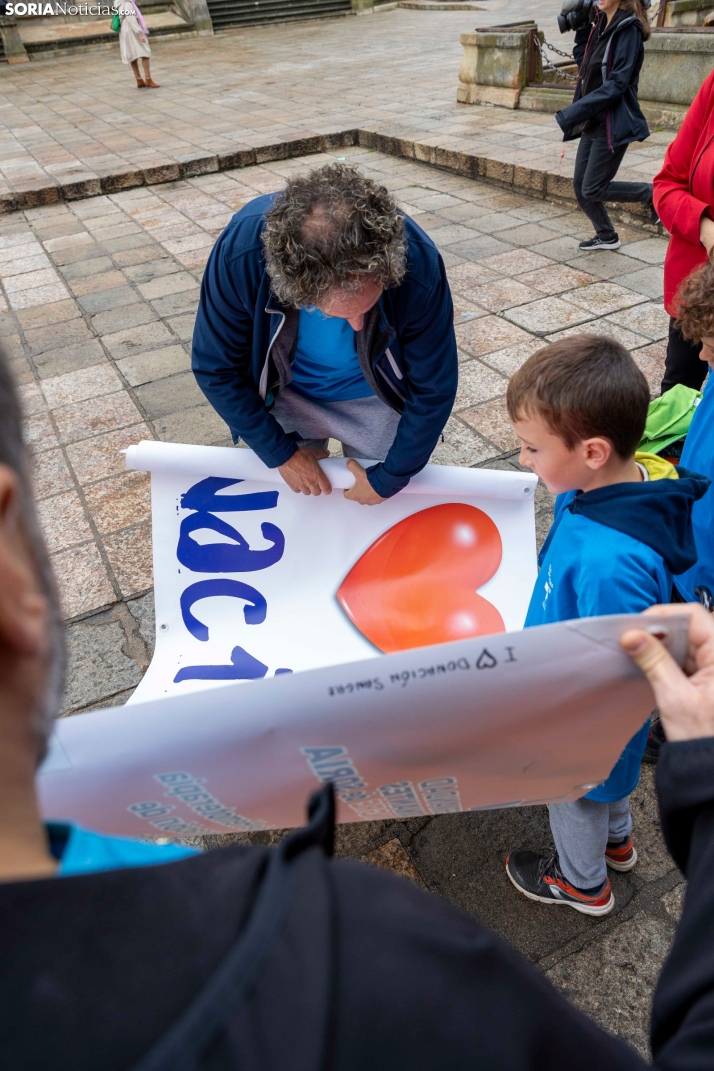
669 418
116 22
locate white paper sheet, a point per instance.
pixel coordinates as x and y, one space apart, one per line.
260 591
504 720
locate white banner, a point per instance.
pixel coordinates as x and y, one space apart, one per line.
252 580
499 721
254 583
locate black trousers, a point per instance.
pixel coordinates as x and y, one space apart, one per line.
683 364
595 168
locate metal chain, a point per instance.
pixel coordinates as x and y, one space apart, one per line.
552 48
558 70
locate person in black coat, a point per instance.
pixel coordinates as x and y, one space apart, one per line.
605 113
259 959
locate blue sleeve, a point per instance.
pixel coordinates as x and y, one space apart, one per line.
428 345
622 583
626 51
222 349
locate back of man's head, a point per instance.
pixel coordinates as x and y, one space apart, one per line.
332 230
582 387
29 606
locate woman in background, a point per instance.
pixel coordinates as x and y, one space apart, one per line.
133 42
605 113
684 197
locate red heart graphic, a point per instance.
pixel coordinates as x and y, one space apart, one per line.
416 584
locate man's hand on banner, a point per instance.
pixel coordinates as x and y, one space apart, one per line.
361 490
303 474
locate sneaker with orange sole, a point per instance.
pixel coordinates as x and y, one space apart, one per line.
621 855
540 878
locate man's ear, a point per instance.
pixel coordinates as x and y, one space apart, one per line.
23 607
598 452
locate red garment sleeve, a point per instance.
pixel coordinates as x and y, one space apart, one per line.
678 209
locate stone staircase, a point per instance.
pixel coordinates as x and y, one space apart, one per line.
45 36
228 13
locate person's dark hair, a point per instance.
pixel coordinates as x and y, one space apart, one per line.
332 229
636 7
583 386
14 454
695 304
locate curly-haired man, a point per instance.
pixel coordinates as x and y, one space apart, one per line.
325 313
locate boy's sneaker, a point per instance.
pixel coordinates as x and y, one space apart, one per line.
621 855
539 877
654 215
598 243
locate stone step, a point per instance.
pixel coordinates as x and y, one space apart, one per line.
45 35
227 13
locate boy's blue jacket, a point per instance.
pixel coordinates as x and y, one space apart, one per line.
614 551
244 343
698 454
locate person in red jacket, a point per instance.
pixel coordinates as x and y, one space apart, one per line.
684 200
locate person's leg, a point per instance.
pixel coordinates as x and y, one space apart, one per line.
619 820
575 875
587 179
366 427
147 73
621 853
682 364
580 831
135 68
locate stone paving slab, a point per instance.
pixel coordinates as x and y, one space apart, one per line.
98 300
74 127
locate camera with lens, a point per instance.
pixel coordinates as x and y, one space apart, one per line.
575 14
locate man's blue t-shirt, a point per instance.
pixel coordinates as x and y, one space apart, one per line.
81 851
326 366
698 456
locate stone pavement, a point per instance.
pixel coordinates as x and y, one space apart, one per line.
75 126
100 296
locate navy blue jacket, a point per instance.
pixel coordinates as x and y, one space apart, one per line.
244 342
617 96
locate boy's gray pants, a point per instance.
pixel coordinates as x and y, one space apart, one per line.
581 830
365 426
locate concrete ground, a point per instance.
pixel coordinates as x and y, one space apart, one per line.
99 299
79 123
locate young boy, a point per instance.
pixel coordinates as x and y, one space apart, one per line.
696 322
622 529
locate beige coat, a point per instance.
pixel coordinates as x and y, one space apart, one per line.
132 42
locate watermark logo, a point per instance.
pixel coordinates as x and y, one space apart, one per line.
57 9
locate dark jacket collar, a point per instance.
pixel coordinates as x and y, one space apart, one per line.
658 513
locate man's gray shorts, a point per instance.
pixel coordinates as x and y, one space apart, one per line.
365 426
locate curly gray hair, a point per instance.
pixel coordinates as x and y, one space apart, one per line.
332 229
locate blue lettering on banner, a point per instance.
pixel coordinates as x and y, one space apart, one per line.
243 668
441 795
334 764
204 497
254 613
221 557
190 791
236 557
159 815
402 799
